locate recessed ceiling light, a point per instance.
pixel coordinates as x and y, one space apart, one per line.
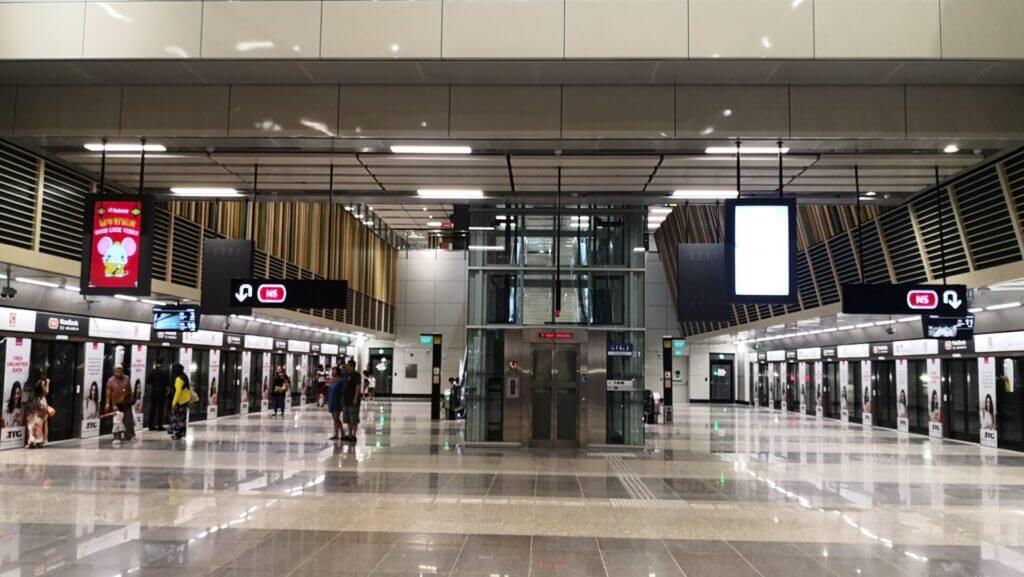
481 228
1002 306
126 298
745 150
37 282
204 192
455 193
434 224
430 149
660 209
704 194
870 193
154 303
124 147
951 149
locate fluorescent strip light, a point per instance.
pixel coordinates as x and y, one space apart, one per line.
488 228
154 303
639 249
456 193
37 282
204 192
908 319
975 310
485 247
1002 306
883 323
124 147
429 149
73 289
830 330
704 194
864 325
434 223
126 298
660 209
745 150
653 225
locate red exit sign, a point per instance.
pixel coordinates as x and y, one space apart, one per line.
558 336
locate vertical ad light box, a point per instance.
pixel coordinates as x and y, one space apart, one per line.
760 250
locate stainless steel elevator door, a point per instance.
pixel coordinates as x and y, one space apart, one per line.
555 395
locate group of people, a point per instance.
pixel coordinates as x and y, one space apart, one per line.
344 394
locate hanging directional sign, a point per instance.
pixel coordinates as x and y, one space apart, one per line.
289 293
899 299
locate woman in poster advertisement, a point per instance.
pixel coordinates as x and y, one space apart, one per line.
213 392
901 406
842 399
867 400
14 412
91 409
137 397
245 391
37 410
988 414
266 389
935 409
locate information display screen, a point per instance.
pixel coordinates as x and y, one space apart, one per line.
936 327
761 250
117 248
178 319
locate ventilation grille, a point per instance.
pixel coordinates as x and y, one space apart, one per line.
872 257
902 243
823 275
19 173
275 267
928 221
161 234
60 232
185 263
764 311
986 220
844 259
259 264
1015 179
804 282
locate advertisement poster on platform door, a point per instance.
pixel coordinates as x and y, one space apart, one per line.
265 387
844 385
16 360
866 400
902 420
243 406
303 383
213 390
819 410
91 400
772 377
756 379
934 398
137 375
987 404
289 369
801 385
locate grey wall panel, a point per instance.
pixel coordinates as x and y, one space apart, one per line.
394 111
7 97
848 111
506 111
68 111
732 111
618 111
965 111
175 110
284 111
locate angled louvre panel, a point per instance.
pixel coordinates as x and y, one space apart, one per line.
60 233
804 282
161 234
185 264
751 312
18 175
793 308
845 259
259 264
778 310
732 316
823 275
899 238
277 268
764 311
986 220
928 221
872 257
1015 176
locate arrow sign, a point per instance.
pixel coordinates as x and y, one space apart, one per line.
901 299
950 298
289 293
243 293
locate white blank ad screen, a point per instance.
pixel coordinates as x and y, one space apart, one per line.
762 250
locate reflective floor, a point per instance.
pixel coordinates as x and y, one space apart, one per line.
728 491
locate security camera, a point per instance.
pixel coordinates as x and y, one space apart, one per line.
8 292
890 331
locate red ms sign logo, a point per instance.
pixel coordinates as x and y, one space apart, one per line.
272 294
923 300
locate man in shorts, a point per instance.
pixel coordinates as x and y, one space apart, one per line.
350 396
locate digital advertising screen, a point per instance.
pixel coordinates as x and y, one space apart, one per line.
116 245
177 319
761 250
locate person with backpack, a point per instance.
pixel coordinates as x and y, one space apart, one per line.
179 402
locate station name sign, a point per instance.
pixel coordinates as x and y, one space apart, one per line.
904 299
555 335
289 293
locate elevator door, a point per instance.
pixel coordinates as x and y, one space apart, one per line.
555 395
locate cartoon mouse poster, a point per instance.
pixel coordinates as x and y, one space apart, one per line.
116 244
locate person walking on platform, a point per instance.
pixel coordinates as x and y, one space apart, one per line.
159 380
350 396
179 402
119 394
37 410
334 391
280 390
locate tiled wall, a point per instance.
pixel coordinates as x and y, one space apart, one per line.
517 29
431 299
432 111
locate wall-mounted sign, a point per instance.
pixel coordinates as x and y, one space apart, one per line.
280 345
998 342
902 299
234 340
120 330
289 293
204 338
987 401
957 346
184 319
298 346
512 387
620 384
936 327
828 352
555 335
258 343
17 320
57 324
116 247
881 349
620 349
859 351
775 356
678 347
790 355
329 349
915 347
17 357
809 354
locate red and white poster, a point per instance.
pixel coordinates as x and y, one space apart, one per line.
17 353
844 393
902 394
265 387
243 406
934 398
866 399
802 381
819 408
115 242
987 401
289 369
138 379
93 384
213 387
304 379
